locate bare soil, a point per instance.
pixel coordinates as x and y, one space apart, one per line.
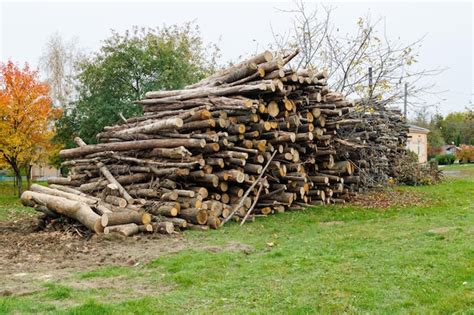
29 257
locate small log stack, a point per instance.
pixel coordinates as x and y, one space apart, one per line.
250 140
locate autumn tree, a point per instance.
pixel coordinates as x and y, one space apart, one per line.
26 118
348 56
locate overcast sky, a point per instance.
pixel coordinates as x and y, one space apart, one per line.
243 28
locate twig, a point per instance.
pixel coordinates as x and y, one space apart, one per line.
122 117
242 199
253 204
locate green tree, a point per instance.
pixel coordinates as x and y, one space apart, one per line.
435 137
458 128
126 67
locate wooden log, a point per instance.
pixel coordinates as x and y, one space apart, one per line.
125 217
258 59
124 229
163 227
213 222
143 192
168 209
64 181
54 192
177 222
273 109
145 228
204 92
73 209
126 179
70 190
252 186
173 153
170 123
193 215
117 201
132 145
170 196
202 191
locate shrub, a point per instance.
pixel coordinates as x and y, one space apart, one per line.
410 172
445 159
465 154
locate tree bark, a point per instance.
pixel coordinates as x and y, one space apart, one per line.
73 209
131 145
124 229
125 217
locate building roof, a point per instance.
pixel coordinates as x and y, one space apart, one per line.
417 129
449 147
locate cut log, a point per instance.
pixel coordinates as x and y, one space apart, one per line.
193 215
132 145
124 229
73 209
163 227
125 217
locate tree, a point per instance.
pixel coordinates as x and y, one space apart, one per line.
348 57
126 67
458 128
26 115
435 137
58 62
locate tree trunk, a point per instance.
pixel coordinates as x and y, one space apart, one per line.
28 175
18 180
73 209
132 145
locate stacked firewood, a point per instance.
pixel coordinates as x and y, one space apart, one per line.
250 140
381 137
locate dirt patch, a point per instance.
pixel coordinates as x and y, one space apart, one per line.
24 249
231 247
442 230
30 257
388 198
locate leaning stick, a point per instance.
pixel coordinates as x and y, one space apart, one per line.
253 204
105 171
242 199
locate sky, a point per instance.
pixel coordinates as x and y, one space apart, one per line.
242 28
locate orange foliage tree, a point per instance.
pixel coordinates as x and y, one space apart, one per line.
465 154
26 116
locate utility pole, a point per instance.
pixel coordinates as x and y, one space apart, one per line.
370 83
405 101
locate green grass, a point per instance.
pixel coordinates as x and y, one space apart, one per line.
396 260
10 205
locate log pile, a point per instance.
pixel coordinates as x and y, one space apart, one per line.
248 141
381 136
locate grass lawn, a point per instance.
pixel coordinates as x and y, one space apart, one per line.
404 259
10 205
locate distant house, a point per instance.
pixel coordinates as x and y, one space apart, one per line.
418 142
43 172
449 149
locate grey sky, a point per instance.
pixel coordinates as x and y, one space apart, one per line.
243 28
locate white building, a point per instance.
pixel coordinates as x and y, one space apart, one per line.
418 142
